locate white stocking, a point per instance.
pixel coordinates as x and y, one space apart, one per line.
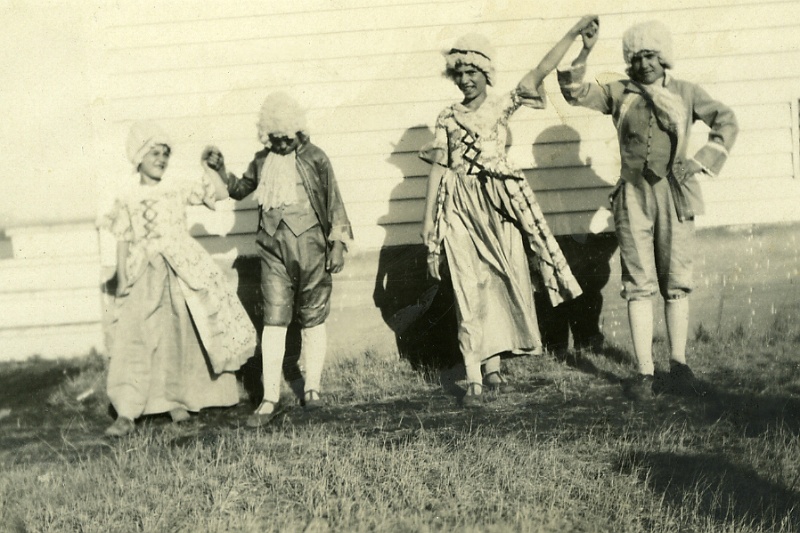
273 346
312 354
492 364
640 316
677 316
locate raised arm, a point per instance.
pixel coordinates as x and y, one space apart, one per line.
534 78
589 37
573 88
228 184
212 160
239 188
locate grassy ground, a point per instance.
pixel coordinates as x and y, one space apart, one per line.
394 451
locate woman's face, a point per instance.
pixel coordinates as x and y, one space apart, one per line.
646 67
470 81
154 163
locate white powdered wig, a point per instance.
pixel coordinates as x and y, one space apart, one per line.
281 115
653 36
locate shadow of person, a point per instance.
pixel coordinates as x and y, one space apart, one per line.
249 292
248 289
419 310
721 490
753 413
556 150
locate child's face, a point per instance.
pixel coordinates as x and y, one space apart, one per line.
154 163
646 67
470 81
282 144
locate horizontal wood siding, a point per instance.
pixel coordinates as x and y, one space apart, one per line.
370 74
51 306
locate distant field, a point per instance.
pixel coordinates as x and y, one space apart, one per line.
744 277
395 451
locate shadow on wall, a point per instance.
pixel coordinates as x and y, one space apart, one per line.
588 254
419 310
248 289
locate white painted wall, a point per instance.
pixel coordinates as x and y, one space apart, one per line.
370 73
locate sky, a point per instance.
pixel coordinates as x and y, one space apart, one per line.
45 104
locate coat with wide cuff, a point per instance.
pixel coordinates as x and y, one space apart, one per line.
676 104
319 182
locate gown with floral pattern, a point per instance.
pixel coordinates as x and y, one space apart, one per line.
180 331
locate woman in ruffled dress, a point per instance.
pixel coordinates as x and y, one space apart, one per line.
179 330
481 214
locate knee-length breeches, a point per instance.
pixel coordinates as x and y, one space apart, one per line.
655 247
294 281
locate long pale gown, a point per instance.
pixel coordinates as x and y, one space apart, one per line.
181 331
485 215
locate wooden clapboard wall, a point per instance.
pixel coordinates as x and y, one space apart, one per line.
370 73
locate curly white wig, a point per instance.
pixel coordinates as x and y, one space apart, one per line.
142 137
471 49
281 114
652 36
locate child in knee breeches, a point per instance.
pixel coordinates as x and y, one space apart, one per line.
302 235
658 194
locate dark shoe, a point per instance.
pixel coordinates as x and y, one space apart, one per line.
494 381
641 388
474 396
263 415
178 415
312 400
121 427
683 381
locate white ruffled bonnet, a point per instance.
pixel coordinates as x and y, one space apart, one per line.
472 49
142 137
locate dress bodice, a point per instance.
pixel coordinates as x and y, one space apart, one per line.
476 139
152 220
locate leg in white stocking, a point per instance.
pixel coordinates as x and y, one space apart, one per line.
313 351
677 315
640 316
273 346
